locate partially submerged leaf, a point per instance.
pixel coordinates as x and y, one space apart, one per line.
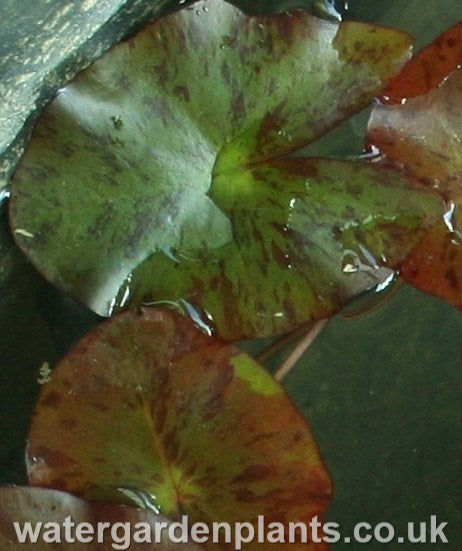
57 515
421 136
161 153
149 405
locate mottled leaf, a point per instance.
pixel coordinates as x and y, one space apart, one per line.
429 68
161 152
148 404
323 228
46 509
421 136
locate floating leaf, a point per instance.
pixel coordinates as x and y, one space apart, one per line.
148 404
429 68
162 154
422 136
47 511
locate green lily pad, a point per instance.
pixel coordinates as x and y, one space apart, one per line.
161 155
147 404
55 515
419 132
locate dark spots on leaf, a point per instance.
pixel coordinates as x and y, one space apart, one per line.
182 92
143 220
452 254
99 406
160 108
238 107
354 189
41 173
124 82
162 71
69 150
103 221
289 308
255 472
171 445
452 277
69 424
130 404
160 416
111 158
218 388
337 232
52 399
246 496
281 256
58 483
298 436
226 73
287 28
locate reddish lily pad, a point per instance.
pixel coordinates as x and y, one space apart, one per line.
162 154
149 405
421 136
55 515
428 69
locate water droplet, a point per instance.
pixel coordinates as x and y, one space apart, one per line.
126 292
4 195
285 135
202 319
327 9
450 219
352 263
143 500
170 252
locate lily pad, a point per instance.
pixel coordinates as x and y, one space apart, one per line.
421 135
55 515
147 404
160 158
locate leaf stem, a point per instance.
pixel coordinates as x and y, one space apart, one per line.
281 343
299 350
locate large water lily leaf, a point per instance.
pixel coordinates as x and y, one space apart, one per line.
54 517
421 136
148 405
155 151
